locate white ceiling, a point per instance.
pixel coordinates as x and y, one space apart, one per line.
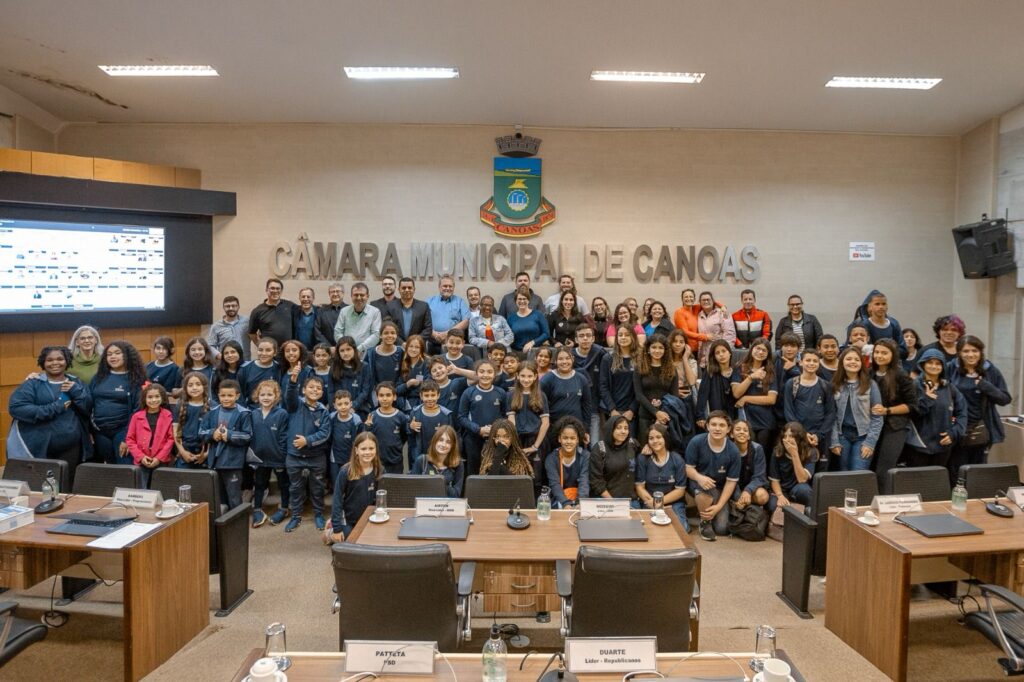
524 61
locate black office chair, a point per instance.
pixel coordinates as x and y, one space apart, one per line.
931 482
805 542
227 527
102 479
1004 628
377 585
33 471
652 585
983 480
474 353
21 634
499 492
403 489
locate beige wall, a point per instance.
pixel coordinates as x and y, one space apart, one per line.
28 135
800 198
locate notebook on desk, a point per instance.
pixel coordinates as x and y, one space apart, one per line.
611 530
433 528
938 525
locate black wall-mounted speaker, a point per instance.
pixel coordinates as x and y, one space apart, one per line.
985 249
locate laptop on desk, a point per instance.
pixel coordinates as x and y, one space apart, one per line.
434 528
89 524
611 530
938 525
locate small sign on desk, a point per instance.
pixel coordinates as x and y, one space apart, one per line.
894 504
138 498
407 658
1016 495
611 654
604 507
441 506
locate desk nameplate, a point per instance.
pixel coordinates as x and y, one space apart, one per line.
894 504
441 506
138 498
407 658
611 654
604 508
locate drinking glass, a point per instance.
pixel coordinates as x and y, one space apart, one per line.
764 647
381 509
277 646
659 504
850 502
185 494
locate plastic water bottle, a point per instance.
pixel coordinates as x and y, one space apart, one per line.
495 667
544 505
960 496
50 488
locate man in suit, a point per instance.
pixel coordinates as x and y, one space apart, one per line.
329 311
410 314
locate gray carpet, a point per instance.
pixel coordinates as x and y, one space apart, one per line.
292 578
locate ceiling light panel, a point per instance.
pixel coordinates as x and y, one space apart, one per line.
400 72
884 83
647 76
159 70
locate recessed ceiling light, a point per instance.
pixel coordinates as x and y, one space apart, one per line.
160 70
647 76
400 72
887 83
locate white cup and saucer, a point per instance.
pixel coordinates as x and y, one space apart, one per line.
379 517
869 518
265 670
660 518
775 670
169 509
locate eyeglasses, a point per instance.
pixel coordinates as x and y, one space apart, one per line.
795 305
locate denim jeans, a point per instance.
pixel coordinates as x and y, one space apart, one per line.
849 455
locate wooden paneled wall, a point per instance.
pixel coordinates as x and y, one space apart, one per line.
18 353
90 168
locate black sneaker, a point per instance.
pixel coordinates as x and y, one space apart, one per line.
707 531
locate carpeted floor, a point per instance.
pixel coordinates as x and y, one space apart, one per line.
292 578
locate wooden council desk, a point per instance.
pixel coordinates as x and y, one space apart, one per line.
516 568
166 576
867 596
310 666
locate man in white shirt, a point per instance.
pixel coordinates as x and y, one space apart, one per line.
566 283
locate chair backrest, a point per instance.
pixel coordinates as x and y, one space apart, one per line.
829 490
376 586
983 480
101 479
931 482
33 471
659 585
205 488
403 489
499 492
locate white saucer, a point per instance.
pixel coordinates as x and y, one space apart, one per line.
868 522
278 677
160 514
660 520
759 677
376 519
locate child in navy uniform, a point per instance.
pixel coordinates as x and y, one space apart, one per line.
309 430
808 399
451 389
662 471
391 428
345 426
385 361
413 372
791 468
350 373
193 406
442 459
528 409
293 358
227 429
568 391
270 445
459 364
568 468
162 369
355 487
479 407
713 466
198 358
254 372
426 418
321 358
228 366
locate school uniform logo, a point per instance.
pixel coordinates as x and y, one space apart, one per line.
517 209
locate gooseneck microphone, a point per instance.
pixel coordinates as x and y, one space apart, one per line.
516 520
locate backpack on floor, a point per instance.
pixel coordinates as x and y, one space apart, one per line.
749 523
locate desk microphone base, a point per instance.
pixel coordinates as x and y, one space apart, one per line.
48 506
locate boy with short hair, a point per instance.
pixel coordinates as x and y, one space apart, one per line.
458 364
808 399
713 466
828 346
227 428
345 426
391 427
426 418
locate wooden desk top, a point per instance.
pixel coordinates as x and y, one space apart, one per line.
35 535
1001 535
490 539
330 667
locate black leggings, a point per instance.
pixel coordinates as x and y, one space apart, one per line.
887 454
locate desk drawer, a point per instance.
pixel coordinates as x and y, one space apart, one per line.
521 603
502 583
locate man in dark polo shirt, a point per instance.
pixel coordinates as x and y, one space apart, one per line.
274 317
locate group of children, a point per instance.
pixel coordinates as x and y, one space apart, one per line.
639 419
